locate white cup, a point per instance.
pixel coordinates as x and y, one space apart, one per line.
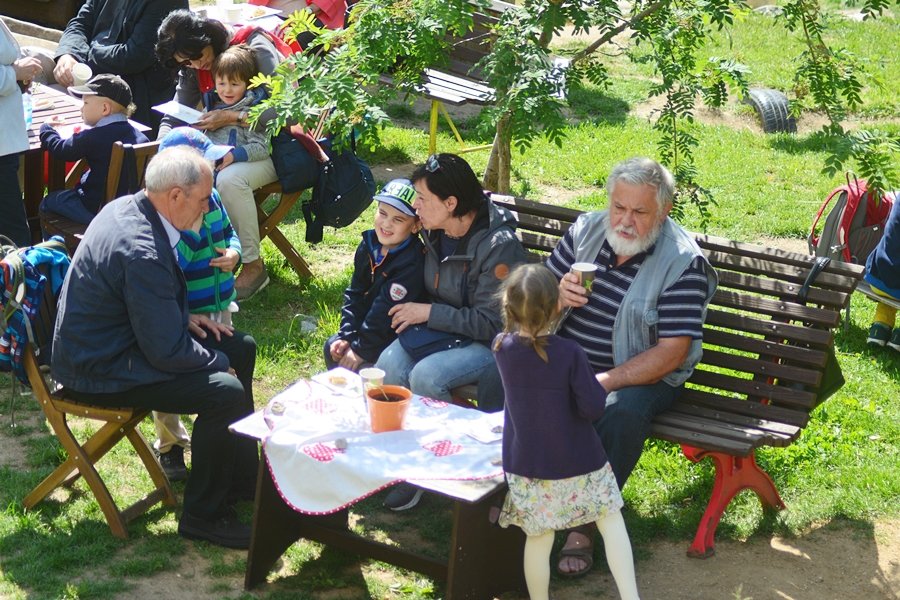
234 13
81 74
585 272
224 3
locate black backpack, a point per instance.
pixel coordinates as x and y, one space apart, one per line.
343 190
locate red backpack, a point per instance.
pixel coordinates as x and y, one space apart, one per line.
854 225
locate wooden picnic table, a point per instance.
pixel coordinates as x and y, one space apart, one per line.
484 559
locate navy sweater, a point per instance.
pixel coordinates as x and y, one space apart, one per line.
883 265
550 407
94 144
375 287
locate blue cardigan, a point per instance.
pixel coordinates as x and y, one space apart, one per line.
550 407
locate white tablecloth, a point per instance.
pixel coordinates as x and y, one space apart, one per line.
315 475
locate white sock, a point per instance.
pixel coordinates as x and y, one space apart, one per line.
618 554
537 565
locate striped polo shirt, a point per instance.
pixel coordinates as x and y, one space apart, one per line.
680 306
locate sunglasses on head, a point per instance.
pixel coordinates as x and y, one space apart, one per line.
432 165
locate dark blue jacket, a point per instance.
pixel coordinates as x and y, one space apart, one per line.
883 265
377 286
94 144
123 316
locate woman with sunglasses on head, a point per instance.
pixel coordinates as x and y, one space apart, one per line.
471 247
192 43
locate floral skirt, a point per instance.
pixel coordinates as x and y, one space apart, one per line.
541 505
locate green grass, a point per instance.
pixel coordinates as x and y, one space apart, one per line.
842 469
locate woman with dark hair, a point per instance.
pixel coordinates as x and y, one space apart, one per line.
471 247
191 43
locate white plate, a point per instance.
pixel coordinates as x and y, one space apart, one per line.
258 12
341 381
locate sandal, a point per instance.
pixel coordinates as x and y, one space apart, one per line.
585 553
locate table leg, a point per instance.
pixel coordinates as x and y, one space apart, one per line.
485 559
33 191
275 527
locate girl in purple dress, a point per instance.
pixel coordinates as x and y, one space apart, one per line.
556 468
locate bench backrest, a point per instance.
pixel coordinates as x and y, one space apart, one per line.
467 50
760 342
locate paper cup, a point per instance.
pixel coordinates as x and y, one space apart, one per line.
234 13
224 3
81 74
585 272
387 407
371 377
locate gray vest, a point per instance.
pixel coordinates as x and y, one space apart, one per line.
637 315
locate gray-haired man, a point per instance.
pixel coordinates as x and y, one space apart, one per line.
641 323
124 337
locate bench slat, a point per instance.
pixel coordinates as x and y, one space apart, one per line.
805 261
789 416
796 334
677 435
567 215
821 317
765 348
776 428
765 368
725 430
772 268
775 393
782 289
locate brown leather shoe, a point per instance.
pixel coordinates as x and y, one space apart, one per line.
252 278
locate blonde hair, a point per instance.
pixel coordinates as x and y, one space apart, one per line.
529 302
237 63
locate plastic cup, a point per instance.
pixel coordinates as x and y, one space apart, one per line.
81 74
387 407
371 378
585 272
234 13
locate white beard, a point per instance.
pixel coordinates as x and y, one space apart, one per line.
626 248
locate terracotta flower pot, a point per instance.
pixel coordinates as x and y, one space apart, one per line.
388 414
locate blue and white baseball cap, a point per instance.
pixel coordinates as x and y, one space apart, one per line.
196 139
400 194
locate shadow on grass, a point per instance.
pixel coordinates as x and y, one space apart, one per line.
597 107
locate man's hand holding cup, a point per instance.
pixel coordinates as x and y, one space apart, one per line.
575 286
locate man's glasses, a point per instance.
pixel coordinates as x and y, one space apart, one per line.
432 165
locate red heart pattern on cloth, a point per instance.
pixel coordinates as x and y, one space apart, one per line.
432 403
321 452
318 406
443 448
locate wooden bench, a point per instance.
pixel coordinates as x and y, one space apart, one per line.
764 356
457 82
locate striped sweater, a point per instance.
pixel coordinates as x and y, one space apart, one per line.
209 289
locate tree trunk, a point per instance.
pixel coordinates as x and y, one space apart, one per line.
496 173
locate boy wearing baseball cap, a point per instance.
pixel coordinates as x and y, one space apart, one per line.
388 269
107 105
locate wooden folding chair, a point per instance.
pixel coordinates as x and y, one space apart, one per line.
268 224
72 232
117 423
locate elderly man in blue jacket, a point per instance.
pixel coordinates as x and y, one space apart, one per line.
124 337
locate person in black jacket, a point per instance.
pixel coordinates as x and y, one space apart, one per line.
387 270
118 37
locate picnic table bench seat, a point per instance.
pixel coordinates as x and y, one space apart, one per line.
765 354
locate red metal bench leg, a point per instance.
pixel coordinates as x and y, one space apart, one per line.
733 474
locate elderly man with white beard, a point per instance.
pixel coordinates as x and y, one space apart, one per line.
641 322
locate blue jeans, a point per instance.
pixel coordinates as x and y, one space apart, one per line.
434 376
13 223
625 423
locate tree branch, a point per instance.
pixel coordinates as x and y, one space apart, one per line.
592 47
